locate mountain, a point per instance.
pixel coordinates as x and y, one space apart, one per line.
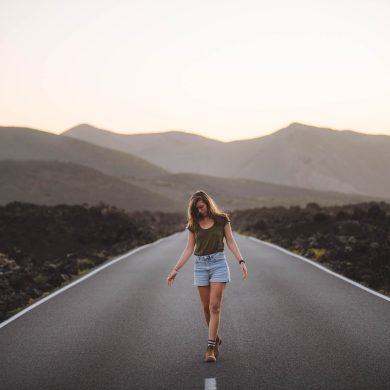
41 171
48 182
176 151
234 194
54 182
320 158
21 144
298 155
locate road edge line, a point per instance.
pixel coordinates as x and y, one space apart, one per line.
82 278
321 267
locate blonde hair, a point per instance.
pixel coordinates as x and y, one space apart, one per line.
213 211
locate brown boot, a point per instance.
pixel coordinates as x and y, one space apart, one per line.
218 342
210 354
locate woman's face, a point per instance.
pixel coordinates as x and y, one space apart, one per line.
201 208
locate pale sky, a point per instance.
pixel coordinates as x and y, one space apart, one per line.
223 69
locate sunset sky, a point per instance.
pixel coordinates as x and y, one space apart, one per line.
223 69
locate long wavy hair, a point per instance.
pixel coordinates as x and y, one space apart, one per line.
213 211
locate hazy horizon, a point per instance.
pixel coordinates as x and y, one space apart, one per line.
226 70
189 132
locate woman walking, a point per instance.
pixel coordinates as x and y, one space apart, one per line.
207 226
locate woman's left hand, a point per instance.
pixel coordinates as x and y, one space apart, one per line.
243 270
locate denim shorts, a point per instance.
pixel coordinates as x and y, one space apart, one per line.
211 268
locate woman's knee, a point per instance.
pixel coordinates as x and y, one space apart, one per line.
214 307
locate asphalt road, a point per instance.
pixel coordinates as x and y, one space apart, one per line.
289 325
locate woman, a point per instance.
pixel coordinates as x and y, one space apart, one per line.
207 225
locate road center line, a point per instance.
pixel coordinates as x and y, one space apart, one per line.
210 384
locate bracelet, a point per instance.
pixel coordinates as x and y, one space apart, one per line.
241 261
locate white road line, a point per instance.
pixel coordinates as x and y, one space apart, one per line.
322 267
89 274
210 384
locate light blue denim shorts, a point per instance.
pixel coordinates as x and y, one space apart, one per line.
211 268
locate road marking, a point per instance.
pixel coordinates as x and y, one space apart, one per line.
322 267
210 384
88 275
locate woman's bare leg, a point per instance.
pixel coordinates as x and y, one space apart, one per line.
216 294
204 292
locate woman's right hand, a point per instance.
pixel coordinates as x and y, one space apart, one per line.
171 277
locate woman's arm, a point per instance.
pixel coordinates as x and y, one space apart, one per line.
231 243
188 251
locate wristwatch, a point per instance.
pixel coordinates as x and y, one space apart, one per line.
241 261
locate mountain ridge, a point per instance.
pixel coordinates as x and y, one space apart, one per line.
297 155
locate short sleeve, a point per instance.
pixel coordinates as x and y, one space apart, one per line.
191 229
226 220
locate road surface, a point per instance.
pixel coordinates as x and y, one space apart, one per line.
289 325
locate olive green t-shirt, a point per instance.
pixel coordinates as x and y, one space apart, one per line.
209 240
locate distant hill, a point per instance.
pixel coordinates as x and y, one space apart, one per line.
53 182
235 194
298 155
17 143
41 171
178 150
